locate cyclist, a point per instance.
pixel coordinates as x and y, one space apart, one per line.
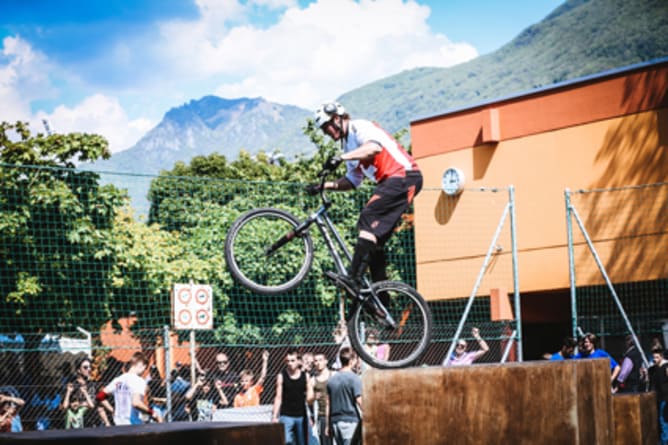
369 151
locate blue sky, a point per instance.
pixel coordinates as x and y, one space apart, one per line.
114 67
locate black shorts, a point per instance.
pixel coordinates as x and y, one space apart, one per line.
389 201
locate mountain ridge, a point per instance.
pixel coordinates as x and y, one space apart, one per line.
577 39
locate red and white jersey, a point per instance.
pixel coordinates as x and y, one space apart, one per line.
393 160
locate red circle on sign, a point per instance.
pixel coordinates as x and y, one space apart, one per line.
202 317
184 316
202 296
184 295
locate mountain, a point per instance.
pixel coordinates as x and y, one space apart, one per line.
578 38
213 124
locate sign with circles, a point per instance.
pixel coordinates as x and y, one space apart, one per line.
192 306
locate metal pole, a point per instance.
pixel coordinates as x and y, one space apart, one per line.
610 286
509 346
469 304
571 264
516 277
168 360
192 358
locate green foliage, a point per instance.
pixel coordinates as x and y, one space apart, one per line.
201 200
55 227
74 254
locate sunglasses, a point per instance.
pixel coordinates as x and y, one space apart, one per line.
222 362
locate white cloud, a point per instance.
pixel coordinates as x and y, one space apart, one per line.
101 115
22 79
320 51
306 55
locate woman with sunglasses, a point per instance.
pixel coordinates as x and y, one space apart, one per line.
80 388
461 357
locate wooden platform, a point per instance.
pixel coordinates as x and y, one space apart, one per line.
565 402
177 433
636 421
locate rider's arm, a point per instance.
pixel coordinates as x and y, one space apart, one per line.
364 152
341 184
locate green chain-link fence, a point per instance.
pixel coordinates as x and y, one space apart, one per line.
86 275
626 230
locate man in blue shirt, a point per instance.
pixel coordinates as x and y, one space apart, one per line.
588 350
566 351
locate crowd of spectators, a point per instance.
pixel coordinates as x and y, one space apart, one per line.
317 396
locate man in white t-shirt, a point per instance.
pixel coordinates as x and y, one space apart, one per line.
128 391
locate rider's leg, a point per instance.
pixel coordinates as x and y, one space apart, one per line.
364 251
378 269
366 244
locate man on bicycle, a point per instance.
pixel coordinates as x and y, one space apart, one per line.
369 151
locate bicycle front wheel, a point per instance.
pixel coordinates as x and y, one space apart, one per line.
398 347
265 254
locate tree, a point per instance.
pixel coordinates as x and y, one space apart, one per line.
55 231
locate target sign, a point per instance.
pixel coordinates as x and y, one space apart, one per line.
192 306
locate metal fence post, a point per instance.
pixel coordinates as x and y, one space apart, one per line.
168 360
516 280
571 264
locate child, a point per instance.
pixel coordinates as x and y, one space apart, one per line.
76 406
203 397
250 393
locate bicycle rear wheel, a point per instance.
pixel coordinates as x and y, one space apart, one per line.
399 347
250 261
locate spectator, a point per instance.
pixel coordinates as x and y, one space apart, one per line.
228 379
76 404
344 403
460 357
129 390
307 363
81 390
340 334
658 378
206 398
250 390
292 391
588 350
179 385
629 378
566 351
10 403
157 392
380 351
322 375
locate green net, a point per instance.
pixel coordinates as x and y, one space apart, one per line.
628 228
87 274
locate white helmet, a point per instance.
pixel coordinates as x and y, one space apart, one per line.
327 111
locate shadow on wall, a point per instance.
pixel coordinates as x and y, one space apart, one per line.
635 221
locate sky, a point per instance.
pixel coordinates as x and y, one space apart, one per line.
115 67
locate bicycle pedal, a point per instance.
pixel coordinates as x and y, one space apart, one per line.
344 283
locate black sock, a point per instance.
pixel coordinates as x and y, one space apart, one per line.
378 265
360 262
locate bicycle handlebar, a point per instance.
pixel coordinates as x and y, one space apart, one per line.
323 174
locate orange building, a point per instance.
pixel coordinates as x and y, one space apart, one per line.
603 131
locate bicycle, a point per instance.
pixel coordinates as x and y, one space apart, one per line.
270 251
